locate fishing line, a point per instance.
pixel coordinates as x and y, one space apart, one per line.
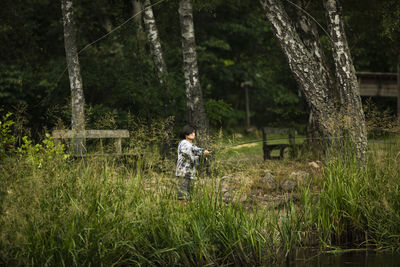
281 139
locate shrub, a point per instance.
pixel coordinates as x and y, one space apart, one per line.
7 140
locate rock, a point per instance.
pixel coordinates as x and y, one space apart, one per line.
313 164
268 181
300 176
289 185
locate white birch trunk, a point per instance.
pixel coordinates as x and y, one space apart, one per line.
308 33
155 44
194 98
349 91
327 102
77 96
305 68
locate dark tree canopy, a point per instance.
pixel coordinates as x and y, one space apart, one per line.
234 44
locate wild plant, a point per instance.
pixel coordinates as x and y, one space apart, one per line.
7 140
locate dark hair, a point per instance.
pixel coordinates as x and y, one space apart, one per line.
186 130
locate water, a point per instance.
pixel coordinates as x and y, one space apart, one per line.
347 259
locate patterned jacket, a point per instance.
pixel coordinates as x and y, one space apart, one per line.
188 157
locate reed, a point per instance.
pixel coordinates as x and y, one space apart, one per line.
100 212
360 206
58 211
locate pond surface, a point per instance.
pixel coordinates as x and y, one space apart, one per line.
354 259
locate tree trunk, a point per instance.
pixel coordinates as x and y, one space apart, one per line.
246 86
154 41
137 8
137 11
307 62
194 98
349 91
306 70
308 33
75 79
246 91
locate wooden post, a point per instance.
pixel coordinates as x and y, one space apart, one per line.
292 142
118 146
246 89
246 86
266 151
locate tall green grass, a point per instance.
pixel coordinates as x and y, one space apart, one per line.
55 210
360 206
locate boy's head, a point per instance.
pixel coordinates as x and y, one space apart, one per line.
186 130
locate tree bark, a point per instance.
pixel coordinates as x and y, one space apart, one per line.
349 91
137 8
194 98
306 70
246 91
155 44
308 33
246 86
327 102
75 79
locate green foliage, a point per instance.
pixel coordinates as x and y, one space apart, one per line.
234 44
45 153
371 28
221 114
7 140
391 19
11 90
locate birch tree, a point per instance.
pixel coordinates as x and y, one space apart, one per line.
154 41
333 114
349 90
194 98
75 79
308 33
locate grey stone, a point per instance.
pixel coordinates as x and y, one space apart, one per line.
300 176
268 181
289 185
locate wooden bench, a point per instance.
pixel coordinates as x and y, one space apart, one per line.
279 144
59 135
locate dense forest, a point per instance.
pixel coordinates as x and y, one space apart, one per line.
234 42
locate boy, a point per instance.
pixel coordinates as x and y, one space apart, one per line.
188 156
